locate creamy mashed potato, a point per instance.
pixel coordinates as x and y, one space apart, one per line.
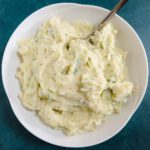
73 84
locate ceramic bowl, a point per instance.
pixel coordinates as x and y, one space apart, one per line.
136 61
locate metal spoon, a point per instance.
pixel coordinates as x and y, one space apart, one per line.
108 17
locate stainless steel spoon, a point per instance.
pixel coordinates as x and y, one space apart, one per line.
108 17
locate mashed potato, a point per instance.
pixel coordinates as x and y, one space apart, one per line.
72 83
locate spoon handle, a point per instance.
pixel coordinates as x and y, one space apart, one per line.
108 17
112 13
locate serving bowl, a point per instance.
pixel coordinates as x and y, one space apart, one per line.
127 39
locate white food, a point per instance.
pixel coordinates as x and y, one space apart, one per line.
73 84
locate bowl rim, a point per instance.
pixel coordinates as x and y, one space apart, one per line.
136 106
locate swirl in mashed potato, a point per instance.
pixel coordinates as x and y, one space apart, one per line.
73 84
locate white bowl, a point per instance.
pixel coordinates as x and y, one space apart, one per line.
136 62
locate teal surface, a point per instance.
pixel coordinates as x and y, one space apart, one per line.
136 134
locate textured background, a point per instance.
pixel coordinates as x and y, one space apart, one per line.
136 134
